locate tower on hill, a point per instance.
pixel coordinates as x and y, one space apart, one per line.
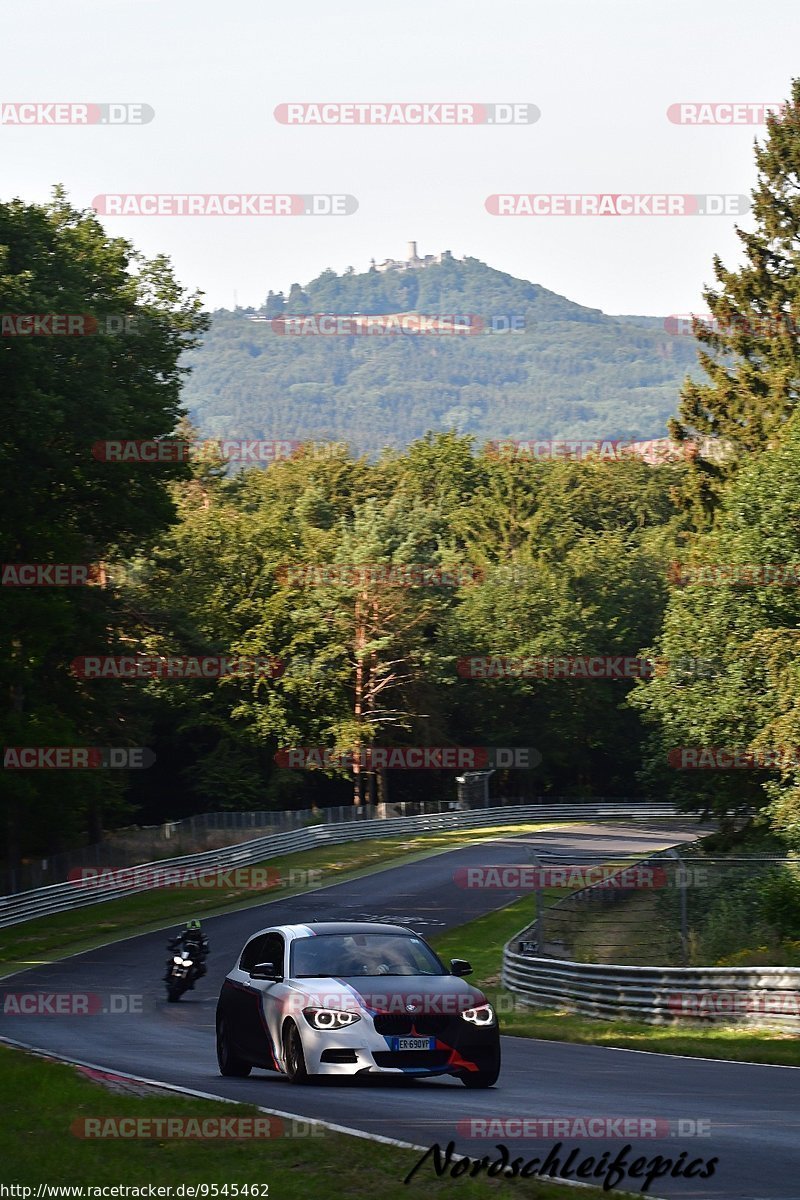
412 262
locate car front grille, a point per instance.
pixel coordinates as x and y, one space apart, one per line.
411 1058
398 1025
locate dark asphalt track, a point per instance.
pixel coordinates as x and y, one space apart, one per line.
754 1111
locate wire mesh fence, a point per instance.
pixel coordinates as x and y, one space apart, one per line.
675 908
211 831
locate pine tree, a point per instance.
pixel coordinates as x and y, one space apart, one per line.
751 351
297 302
274 304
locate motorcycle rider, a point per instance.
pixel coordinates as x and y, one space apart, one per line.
195 942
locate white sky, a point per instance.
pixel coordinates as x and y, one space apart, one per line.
603 73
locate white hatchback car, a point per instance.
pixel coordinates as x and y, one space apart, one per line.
353 998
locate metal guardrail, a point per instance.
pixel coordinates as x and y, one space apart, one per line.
63 897
126 847
657 995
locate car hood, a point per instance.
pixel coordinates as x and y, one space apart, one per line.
445 995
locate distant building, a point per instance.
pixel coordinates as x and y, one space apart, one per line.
412 262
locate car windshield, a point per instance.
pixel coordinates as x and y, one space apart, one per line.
363 954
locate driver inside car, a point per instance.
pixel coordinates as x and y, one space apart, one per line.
366 959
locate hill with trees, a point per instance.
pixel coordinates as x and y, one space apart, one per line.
542 367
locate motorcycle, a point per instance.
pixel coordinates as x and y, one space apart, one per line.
182 972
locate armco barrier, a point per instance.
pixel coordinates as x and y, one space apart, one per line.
657 995
61 897
760 996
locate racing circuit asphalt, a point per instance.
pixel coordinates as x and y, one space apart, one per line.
754 1111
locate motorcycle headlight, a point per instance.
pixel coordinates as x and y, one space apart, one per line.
188 962
482 1015
330 1018
178 960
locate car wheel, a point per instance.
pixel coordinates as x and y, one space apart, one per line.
294 1057
229 1063
479 1079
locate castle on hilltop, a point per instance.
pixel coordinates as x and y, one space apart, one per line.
413 262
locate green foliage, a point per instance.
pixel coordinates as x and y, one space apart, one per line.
742 905
60 504
780 902
751 353
748 632
377 664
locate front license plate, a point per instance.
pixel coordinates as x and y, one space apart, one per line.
410 1043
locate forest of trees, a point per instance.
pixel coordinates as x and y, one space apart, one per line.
567 559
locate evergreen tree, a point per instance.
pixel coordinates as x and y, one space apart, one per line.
730 648
751 350
274 305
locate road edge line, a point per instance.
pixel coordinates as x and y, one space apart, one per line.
272 1112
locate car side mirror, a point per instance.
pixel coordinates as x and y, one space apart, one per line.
460 966
266 970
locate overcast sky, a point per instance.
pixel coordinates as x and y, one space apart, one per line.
602 72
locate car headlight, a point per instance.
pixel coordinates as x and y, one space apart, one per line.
482 1015
330 1018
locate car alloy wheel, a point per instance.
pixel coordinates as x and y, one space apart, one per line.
293 1054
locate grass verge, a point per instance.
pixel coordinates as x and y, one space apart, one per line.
82 929
482 941
42 1100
